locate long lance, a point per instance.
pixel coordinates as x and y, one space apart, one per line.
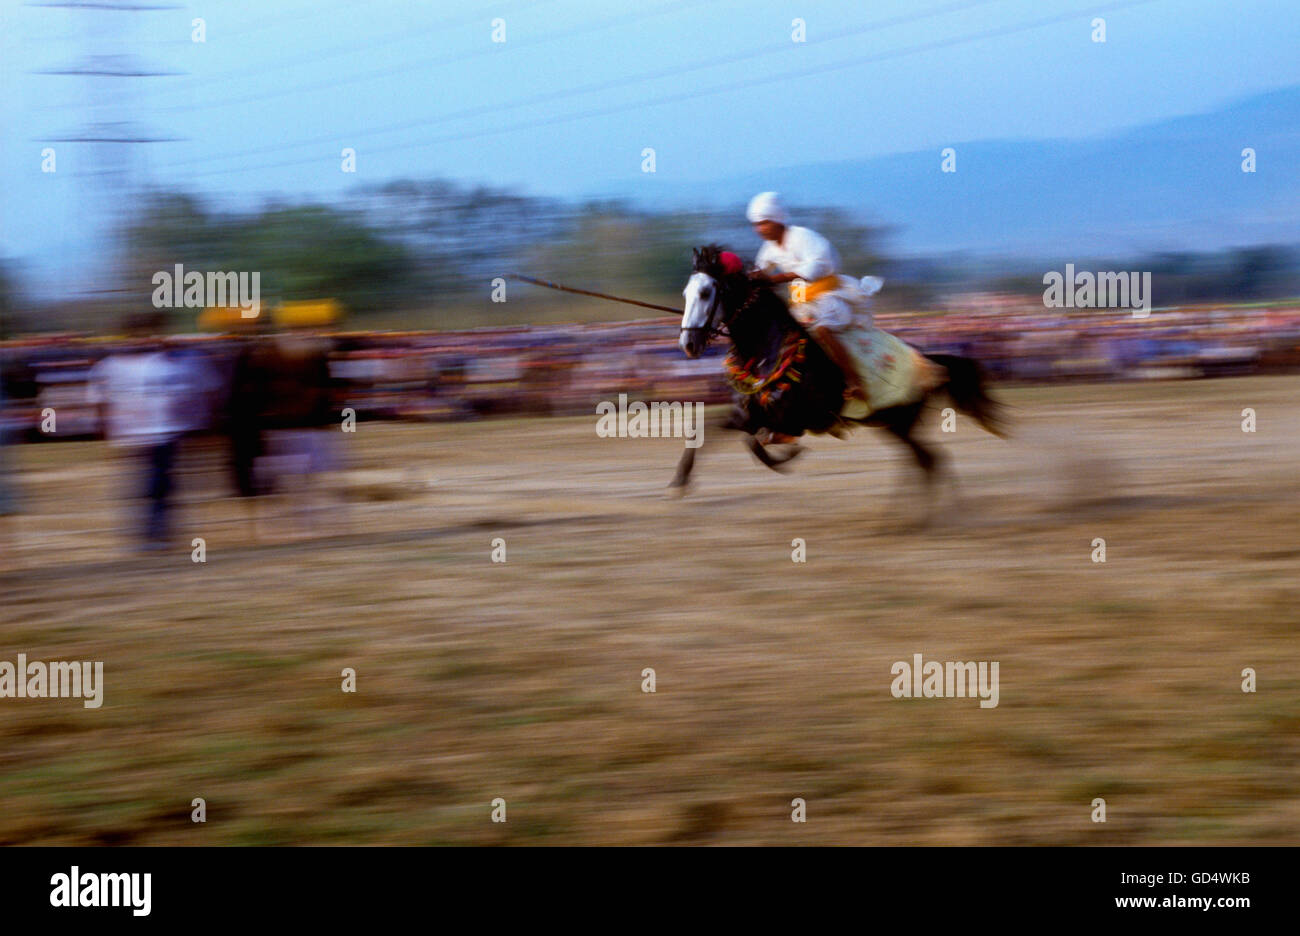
595 295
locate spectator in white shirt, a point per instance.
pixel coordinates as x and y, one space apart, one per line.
147 398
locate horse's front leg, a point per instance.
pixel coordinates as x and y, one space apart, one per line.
731 418
771 459
685 465
773 449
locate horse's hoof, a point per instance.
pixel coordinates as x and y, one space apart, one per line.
786 452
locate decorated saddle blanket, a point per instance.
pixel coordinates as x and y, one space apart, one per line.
892 371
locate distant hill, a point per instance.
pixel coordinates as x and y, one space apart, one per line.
1173 185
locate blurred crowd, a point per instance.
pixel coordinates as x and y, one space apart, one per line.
1020 340
567 369
275 403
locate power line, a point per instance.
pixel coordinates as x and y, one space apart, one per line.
717 89
134 138
550 96
349 48
494 49
87 71
289 16
100 5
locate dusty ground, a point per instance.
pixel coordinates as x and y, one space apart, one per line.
523 680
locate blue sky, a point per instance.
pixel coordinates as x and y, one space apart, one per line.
280 87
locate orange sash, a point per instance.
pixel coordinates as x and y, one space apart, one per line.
804 291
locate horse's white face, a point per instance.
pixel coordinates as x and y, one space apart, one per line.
701 294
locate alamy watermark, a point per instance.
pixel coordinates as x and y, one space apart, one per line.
950 680
195 290
638 420
54 680
87 889
1084 290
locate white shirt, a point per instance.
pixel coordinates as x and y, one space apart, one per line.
146 395
801 251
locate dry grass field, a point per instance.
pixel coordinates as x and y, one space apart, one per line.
522 679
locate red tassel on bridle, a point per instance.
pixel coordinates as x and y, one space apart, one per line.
731 263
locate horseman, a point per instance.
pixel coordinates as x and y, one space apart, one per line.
824 302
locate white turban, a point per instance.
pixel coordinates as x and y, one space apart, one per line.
765 206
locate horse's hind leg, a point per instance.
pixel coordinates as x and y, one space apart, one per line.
931 466
902 424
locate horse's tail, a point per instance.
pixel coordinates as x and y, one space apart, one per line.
966 388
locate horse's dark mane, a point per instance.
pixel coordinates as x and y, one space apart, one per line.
766 319
708 260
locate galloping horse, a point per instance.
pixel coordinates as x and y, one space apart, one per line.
801 389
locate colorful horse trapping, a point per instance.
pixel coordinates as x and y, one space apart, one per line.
744 377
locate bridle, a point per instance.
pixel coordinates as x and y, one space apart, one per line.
713 330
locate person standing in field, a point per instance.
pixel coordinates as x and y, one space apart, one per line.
146 396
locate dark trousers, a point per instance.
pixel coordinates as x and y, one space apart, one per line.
8 495
245 447
159 461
